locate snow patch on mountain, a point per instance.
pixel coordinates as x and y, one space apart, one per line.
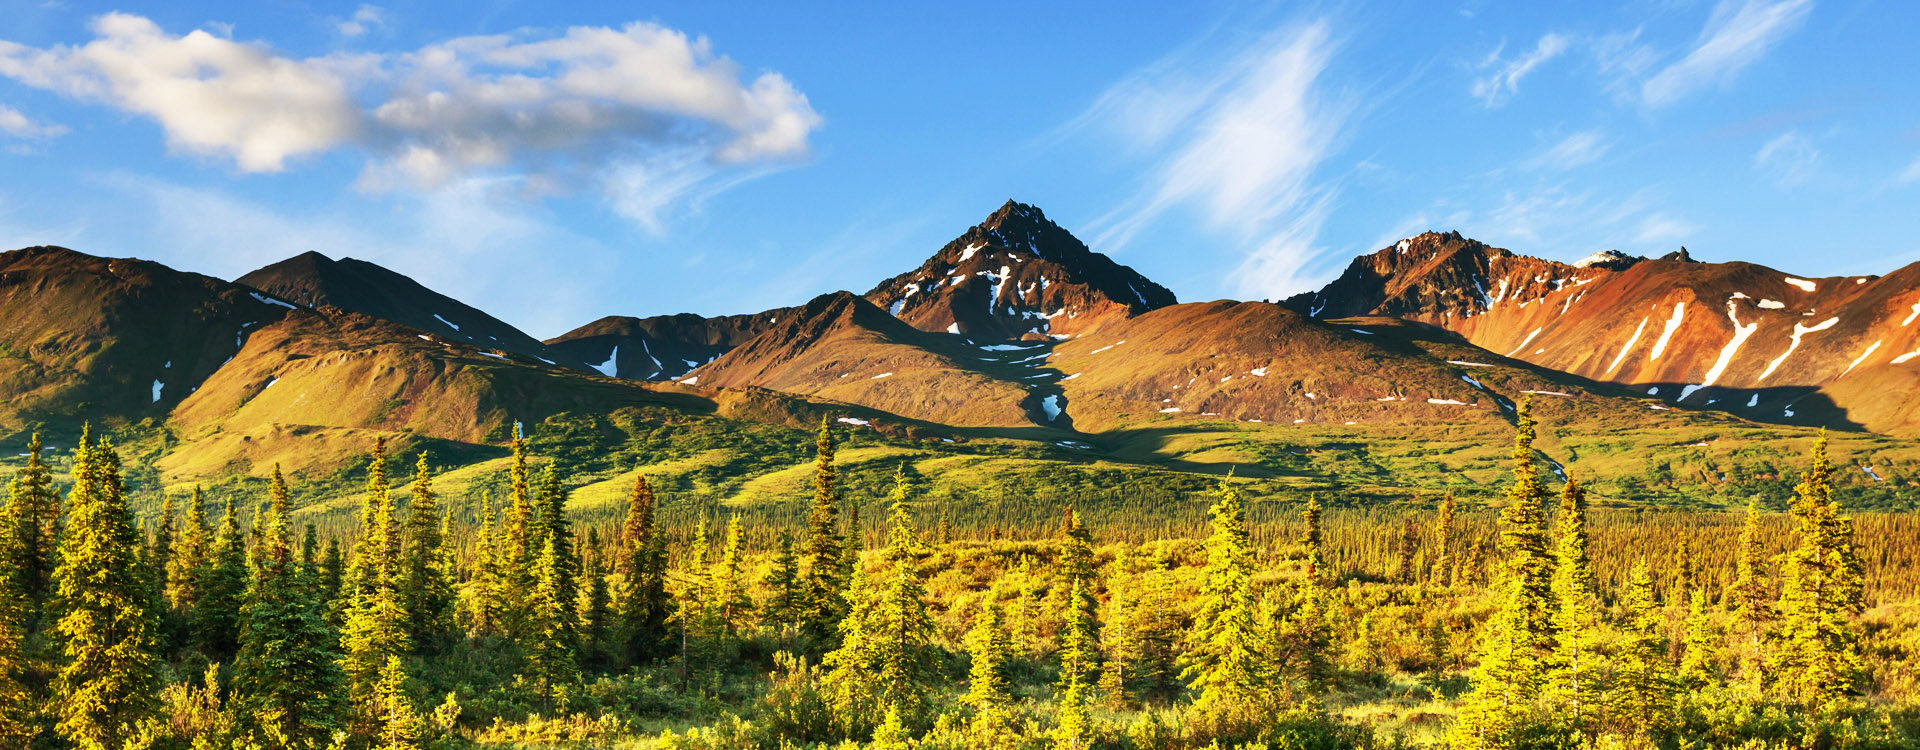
1673 324
1740 335
157 387
1053 406
607 368
450 324
271 301
1862 358
1524 342
1799 330
1805 285
1631 340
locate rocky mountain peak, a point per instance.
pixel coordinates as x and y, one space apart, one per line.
1017 274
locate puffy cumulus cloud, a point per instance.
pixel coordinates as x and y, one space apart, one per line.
364 19
575 109
212 96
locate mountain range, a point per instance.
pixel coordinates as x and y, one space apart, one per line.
1012 344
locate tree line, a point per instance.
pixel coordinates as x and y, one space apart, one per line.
526 630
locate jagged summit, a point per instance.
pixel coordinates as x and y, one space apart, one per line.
1609 259
1017 274
1758 342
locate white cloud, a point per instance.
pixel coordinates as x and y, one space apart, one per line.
1243 151
18 125
1575 150
213 96
571 110
1789 159
1657 228
1737 33
364 19
1912 173
1503 82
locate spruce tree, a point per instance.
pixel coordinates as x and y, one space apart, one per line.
519 543
17 706
375 627
735 607
1443 562
1310 538
1073 729
1816 657
1515 642
190 557
902 631
1572 677
988 681
397 721
287 684
1075 564
1697 662
644 605
161 556
1409 549
783 582
485 596
108 626
549 640
33 518
1641 696
596 604
557 531
1224 660
221 589
426 583
1748 597
823 567
851 683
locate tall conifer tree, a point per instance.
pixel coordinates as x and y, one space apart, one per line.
375 627
33 517
287 683
823 564
1225 663
1816 658
644 605
109 624
426 583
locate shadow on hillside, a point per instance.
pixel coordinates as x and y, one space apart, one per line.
1797 406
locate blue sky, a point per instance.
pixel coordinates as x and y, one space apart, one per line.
553 166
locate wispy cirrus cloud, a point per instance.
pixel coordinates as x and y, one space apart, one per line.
1911 175
1789 159
1502 79
1578 149
1242 149
1737 33
573 110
